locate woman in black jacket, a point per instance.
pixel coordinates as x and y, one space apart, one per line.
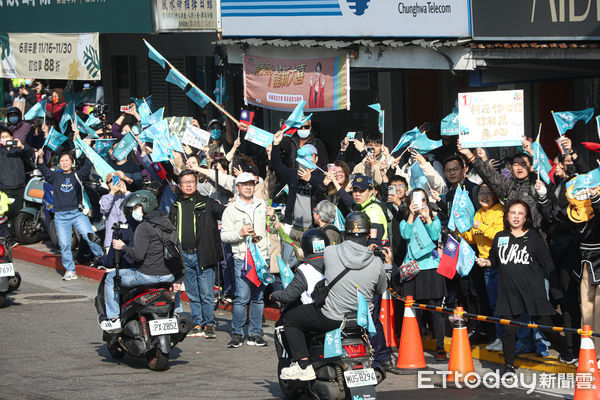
521 254
13 155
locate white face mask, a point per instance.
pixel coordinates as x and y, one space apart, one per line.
303 133
137 214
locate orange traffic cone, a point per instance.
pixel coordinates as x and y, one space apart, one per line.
410 354
388 319
461 361
587 382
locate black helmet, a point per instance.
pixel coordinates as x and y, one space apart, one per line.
145 198
14 110
314 241
357 222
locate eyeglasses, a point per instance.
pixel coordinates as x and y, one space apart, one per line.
306 127
187 182
455 169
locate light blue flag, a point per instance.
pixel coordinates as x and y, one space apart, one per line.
424 145
64 121
297 118
102 146
83 128
332 347
457 195
220 91
176 143
155 55
306 162
566 120
144 100
363 315
380 122
259 136
176 78
420 243
161 128
466 258
463 211
285 272
417 177
124 147
339 222
406 139
262 269
144 111
152 118
101 166
92 120
587 181
160 152
449 125
541 163
37 111
198 96
54 139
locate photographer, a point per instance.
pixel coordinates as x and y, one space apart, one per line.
125 122
13 155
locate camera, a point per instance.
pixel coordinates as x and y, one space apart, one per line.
9 142
100 110
377 252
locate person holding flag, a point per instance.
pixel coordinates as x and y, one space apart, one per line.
306 134
246 217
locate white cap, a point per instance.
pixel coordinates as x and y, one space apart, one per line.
244 177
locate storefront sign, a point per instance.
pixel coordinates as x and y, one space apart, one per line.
536 20
356 18
491 119
280 84
50 56
75 16
186 15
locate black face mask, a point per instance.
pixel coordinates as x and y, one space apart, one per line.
570 170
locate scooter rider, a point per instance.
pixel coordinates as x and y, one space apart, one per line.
365 273
147 251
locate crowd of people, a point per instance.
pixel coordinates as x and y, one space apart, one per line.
537 244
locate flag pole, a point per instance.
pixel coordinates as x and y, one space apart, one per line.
214 103
538 152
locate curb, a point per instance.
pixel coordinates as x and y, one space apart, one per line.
54 262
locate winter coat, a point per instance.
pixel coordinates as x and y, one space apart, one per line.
235 217
12 172
307 275
491 222
110 207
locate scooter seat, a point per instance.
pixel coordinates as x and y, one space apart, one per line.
129 293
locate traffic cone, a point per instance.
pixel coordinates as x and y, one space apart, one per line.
410 353
388 319
587 381
461 360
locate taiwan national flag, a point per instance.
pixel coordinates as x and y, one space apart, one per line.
249 269
447 266
246 117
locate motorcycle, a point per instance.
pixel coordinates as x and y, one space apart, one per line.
150 327
10 280
348 376
31 221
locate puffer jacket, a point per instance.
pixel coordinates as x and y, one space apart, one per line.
235 217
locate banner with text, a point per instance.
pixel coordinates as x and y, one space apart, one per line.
50 56
185 16
491 119
324 83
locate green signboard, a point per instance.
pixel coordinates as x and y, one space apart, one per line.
76 16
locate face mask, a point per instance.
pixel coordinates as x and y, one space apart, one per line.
135 130
571 170
54 100
303 133
215 134
27 82
13 119
137 214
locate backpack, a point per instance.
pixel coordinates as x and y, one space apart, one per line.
172 250
321 290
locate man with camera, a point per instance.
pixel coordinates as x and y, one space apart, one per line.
13 155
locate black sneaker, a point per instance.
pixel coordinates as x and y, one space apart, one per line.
256 341
508 369
567 357
236 341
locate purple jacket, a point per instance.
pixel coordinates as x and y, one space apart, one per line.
110 207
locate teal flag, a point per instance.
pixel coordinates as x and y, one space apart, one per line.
449 125
420 243
262 269
153 118
84 129
198 96
101 166
380 123
339 221
92 120
144 110
333 344
417 177
285 272
64 121
144 100
155 55
124 147
406 139
160 151
463 211
586 181
37 111
424 145
102 146
566 120
541 163
161 128
54 140
363 315
176 144
306 162
176 78
220 91
466 258
297 118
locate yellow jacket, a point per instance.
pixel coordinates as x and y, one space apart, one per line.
491 222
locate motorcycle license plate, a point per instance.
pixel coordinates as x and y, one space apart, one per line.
360 377
7 269
163 326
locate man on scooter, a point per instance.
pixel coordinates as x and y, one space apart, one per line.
147 251
362 271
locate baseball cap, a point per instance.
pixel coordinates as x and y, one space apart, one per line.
307 150
244 177
362 182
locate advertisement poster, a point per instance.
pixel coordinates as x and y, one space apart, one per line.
491 119
324 83
186 15
50 56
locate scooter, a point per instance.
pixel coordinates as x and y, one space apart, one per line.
31 221
349 376
150 327
10 280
